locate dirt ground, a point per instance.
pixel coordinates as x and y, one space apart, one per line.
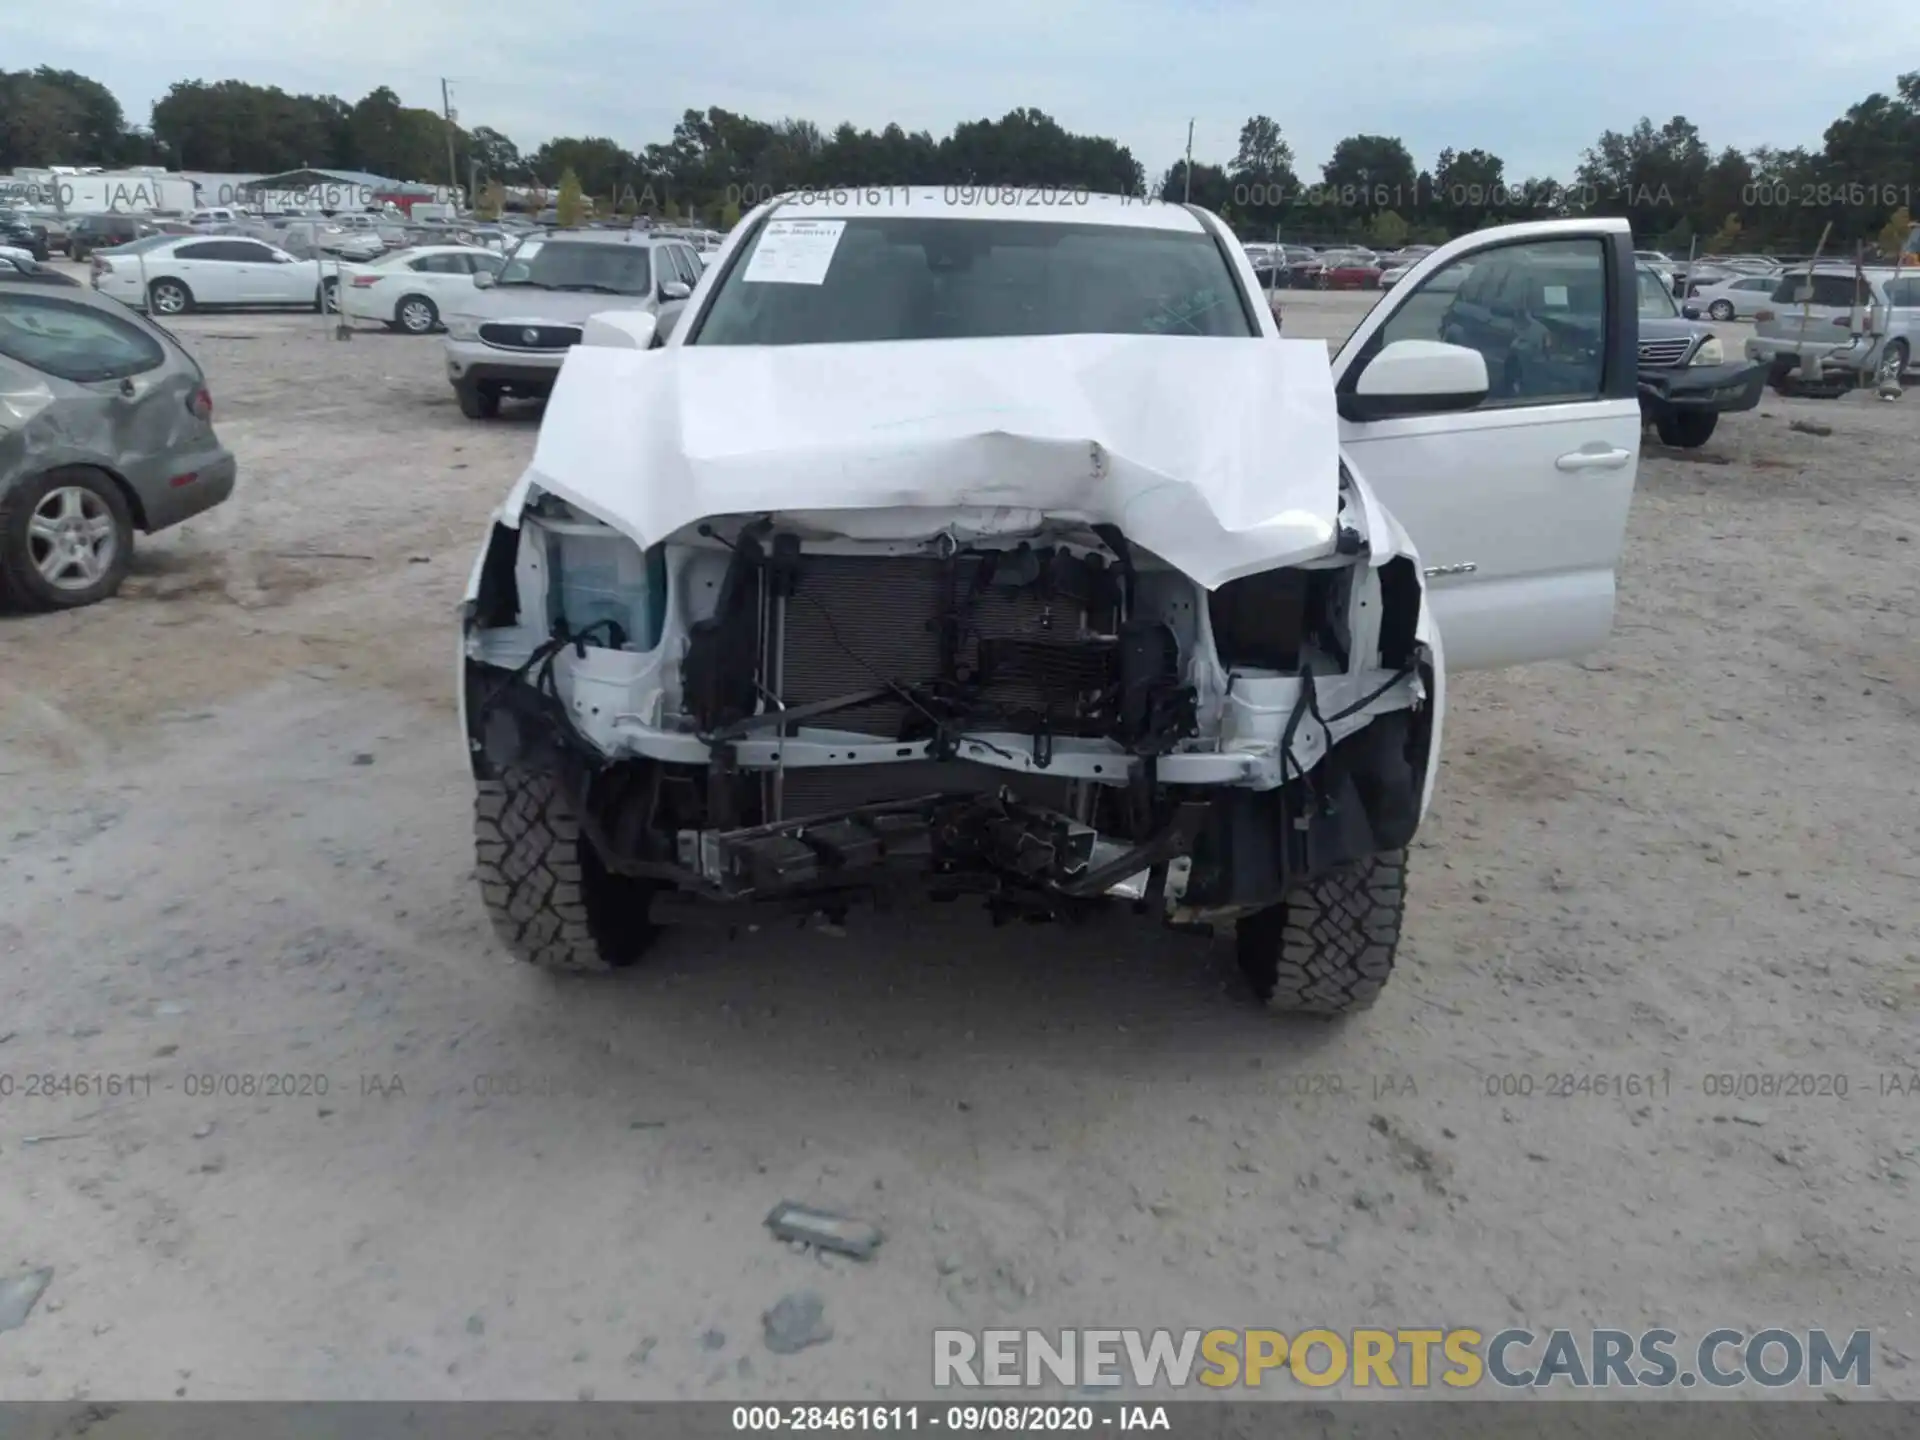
236 846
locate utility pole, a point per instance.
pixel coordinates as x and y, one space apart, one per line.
1189 197
453 166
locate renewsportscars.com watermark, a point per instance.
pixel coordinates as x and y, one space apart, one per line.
1413 1359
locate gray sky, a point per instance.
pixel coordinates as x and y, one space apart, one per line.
1535 83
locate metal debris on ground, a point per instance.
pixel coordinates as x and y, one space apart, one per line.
797 1320
18 1295
1811 427
824 1230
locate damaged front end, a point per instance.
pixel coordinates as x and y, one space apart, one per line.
804 709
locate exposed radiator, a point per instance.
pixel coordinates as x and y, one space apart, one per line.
858 621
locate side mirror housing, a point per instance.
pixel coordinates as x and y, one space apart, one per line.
621 329
1690 312
483 279
1417 377
675 290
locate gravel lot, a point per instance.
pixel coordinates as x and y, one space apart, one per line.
236 845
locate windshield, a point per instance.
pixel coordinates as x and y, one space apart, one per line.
811 282
1656 301
579 265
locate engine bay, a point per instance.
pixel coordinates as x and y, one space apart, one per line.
762 705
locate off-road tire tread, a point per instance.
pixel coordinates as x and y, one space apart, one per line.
526 846
1328 948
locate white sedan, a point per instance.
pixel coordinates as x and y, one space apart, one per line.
173 274
410 289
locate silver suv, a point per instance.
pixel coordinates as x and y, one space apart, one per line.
515 329
1832 318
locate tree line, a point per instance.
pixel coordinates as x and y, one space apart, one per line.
1860 183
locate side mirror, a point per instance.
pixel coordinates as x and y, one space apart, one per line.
1417 377
621 329
483 279
675 290
1690 312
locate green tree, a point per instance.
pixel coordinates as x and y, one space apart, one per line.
1387 229
234 125
1653 177
571 206
1466 187
1367 174
1264 183
399 141
492 201
496 155
601 165
1896 237
58 117
1212 186
1727 237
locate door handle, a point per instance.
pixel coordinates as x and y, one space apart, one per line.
1593 460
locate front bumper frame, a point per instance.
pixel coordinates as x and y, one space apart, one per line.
1721 389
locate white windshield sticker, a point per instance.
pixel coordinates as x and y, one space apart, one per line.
1554 296
794 252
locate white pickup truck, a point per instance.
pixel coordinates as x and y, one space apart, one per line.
957 547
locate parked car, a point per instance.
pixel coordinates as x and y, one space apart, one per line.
88 233
1686 380
182 273
214 215
322 239
1731 297
19 233
1864 324
110 431
813 605
1392 274
19 265
1658 260
1352 270
509 338
410 289
52 227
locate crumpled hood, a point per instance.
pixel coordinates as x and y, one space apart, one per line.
536 306
1220 456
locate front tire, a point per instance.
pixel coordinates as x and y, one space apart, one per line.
417 315
551 901
1721 310
1893 364
478 402
1328 947
1686 429
169 297
66 539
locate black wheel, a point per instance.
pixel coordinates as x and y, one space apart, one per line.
478 402
169 297
1893 364
551 901
1686 429
417 315
66 539
1721 310
1328 948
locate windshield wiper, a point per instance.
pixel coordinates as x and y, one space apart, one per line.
597 289
530 284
